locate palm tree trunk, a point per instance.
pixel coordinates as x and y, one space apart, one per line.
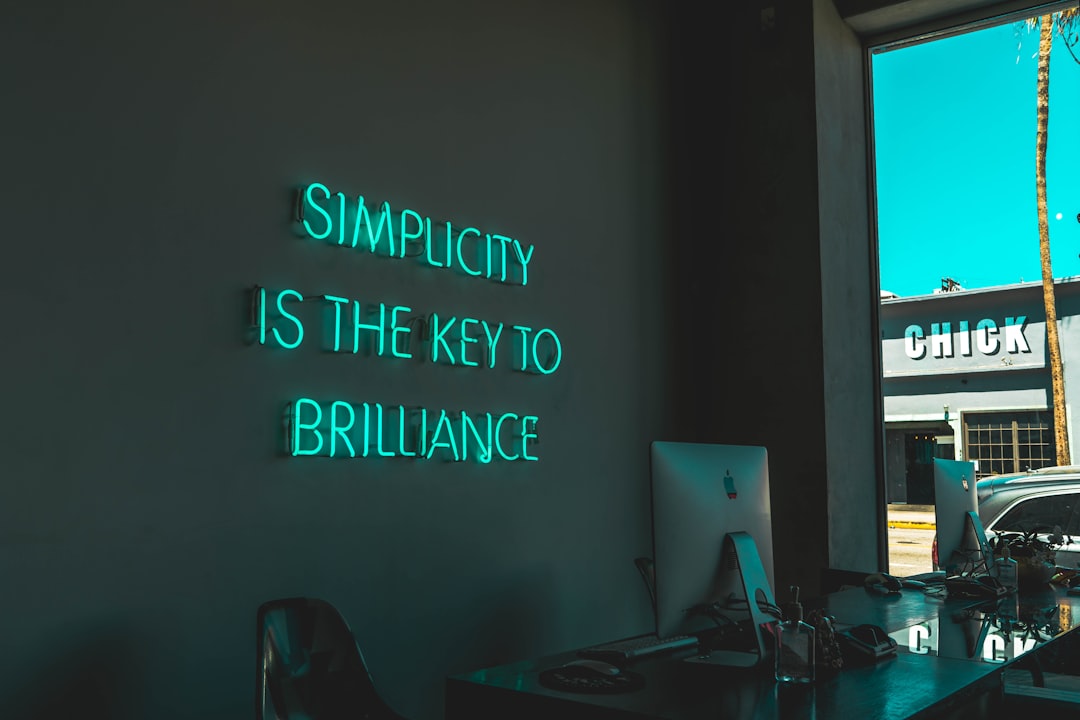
1057 376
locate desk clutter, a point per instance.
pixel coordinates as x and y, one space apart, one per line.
864 644
950 657
622 651
829 657
607 668
591 676
710 583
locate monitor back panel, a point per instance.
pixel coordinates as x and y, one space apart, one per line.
954 497
701 492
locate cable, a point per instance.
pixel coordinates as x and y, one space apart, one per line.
762 605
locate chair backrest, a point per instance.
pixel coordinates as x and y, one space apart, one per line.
309 666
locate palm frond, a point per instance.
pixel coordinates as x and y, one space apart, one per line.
1066 24
1068 27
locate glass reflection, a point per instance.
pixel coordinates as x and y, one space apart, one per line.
995 632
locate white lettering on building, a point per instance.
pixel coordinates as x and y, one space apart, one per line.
943 341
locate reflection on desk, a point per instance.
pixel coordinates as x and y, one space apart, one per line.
894 689
994 632
943 674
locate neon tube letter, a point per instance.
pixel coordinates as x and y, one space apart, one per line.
297 426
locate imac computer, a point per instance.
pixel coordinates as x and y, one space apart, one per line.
712 536
961 539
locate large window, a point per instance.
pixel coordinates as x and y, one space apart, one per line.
1003 443
974 190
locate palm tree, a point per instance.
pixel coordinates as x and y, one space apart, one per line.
1063 22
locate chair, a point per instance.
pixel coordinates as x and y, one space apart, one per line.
310 667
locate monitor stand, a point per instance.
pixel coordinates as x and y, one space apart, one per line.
741 577
975 539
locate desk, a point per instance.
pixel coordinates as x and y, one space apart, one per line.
924 681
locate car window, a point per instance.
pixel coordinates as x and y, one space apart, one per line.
1042 512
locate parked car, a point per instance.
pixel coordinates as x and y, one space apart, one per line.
1035 500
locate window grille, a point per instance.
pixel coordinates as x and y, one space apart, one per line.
1009 442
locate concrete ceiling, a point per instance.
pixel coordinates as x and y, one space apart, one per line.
875 17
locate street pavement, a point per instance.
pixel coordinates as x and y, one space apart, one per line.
909 551
910 534
915 517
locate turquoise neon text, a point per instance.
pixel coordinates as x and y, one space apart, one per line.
339 429
393 331
340 220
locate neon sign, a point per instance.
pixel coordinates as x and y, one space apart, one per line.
490 255
340 429
389 330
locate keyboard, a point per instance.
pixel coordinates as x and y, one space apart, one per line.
638 647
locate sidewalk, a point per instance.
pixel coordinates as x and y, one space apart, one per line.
915 517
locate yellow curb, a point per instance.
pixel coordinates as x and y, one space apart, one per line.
911 525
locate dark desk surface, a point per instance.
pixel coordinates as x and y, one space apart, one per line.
948 669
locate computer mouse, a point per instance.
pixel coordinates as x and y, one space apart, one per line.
599 667
891 582
883 584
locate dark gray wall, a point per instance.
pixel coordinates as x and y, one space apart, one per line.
146 511
774 188
669 180
747 176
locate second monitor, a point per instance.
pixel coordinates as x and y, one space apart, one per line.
961 540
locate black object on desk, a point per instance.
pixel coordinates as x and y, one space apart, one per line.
865 644
979 587
631 649
590 676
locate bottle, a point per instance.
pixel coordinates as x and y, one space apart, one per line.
1005 568
794 645
1008 611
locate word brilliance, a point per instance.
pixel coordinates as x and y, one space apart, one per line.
344 430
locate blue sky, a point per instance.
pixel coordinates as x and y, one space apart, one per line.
954 134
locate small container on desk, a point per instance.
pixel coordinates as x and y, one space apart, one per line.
794 645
